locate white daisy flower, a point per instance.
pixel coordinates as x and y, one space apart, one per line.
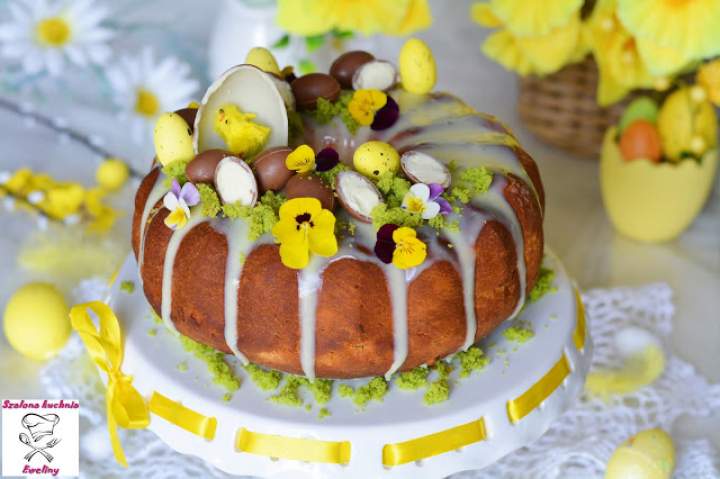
45 35
145 87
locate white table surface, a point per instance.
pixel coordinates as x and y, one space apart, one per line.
576 225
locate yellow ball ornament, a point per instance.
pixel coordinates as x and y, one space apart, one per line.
173 139
649 454
417 67
36 321
375 158
263 59
112 174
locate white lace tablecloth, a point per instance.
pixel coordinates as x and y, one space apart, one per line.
577 446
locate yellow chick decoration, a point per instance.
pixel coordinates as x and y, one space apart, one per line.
263 59
687 123
173 139
375 158
417 67
36 321
650 454
241 135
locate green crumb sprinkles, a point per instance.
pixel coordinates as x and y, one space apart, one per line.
441 222
444 369
414 379
289 394
470 183
393 188
152 332
220 370
543 285
260 218
127 286
321 390
155 317
439 391
175 171
323 413
227 397
328 177
520 332
182 367
374 390
209 201
264 379
472 360
296 127
308 407
345 391
382 215
326 110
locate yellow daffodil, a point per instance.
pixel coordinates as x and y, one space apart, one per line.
524 18
368 17
301 159
364 104
482 14
708 77
409 250
690 27
304 227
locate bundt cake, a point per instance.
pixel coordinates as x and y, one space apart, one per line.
337 225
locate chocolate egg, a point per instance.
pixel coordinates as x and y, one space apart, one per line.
308 88
345 66
309 186
202 168
188 114
270 169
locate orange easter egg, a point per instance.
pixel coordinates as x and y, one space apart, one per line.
641 140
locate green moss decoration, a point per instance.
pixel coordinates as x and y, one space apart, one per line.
393 188
444 369
182 367
209 201
227 397
374 390
520 332
472 360
264 379
439 391
414 379
440 223
543 285
221 373
326 111
152 332
127 286
296 128
175 171
328 177
262 217
289 394
345 391
469 183
321 390
382 215
323 413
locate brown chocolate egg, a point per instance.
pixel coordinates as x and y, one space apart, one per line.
308 88
309 186
188 114
201 169
270 169
345 66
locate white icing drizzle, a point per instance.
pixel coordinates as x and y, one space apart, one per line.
398 286
466 263
239 246
156 193
196 217
309 284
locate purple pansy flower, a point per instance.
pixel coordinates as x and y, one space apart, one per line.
179 200
385 245
386 116
326 159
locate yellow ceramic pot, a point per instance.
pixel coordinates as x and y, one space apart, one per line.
653 202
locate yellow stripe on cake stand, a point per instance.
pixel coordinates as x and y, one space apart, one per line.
579 332
524 404
184 417
284 447
434 444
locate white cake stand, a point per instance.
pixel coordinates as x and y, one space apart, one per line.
509 404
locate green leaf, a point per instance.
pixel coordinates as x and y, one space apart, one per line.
283 42
307 66
314 42
343 34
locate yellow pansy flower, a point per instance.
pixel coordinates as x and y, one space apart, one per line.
533 18
409 250
708 77
304 227
364 104
691 27
301 159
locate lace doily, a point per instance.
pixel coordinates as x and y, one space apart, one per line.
578 445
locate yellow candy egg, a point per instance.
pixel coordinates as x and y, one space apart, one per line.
417 67
36 321
375 158
173 139
263 59
112 174
649 454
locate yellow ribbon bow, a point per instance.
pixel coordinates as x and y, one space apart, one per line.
125 405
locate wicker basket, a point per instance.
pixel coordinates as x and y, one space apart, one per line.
561 109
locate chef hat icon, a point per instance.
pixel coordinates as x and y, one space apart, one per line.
40 426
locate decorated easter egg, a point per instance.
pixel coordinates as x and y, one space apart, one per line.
173 139
687 123
36 321
649 454
417 67
641 108
641 140
375 158
112 174
263 59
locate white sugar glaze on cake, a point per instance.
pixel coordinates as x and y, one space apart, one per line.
156 194
438 124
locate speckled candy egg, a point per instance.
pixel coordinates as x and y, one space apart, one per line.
417 67
649 454
173 139
375 158
263 59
